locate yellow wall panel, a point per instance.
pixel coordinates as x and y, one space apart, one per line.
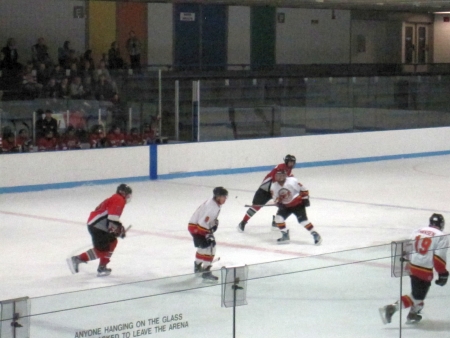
102 27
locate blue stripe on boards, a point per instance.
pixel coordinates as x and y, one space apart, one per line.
153 164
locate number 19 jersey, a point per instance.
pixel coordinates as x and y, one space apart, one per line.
430 247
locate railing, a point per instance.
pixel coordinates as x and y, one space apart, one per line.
255 104
330 295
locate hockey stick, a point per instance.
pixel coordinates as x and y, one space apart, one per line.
261 205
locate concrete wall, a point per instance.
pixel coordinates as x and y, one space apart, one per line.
27 172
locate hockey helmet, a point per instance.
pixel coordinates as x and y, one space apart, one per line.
437 220
220 191
124 189
288 158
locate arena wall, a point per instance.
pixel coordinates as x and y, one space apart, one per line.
65 169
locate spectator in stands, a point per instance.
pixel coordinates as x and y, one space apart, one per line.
42 74
51 89
134 51
115 60
105 60
76 89
9 144
116 137
24 141
58 73
148 134
40 53
30 87
11 56
133 138
48 142
102 70
64 54
88 57
46 123
104 90
97 138
74 72
64 89
70 141
87 69
2 61
88 88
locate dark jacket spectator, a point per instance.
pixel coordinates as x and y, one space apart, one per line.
115 60
46 124
11 56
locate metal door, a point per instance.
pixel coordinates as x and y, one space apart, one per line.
415 44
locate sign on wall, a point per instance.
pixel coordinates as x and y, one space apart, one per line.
185 16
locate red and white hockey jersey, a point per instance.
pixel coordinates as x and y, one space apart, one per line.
291 193
429 250
270 177
109 210
204 218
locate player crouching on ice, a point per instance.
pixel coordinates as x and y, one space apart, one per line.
291 198
105 226
202 226
430 246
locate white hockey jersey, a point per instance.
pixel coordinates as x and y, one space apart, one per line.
291 193
204 217
429 250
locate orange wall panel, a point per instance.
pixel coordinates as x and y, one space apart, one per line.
132 16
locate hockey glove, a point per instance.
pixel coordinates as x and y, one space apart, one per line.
306 202
115 228
442 280
210 240
216 225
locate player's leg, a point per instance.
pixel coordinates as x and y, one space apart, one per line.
280 220
419 291
302 218
205 254
261 198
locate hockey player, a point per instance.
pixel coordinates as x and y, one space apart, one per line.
202 226
291 198
105 226
262 195
430 247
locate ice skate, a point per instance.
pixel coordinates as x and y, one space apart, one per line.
241 226
284 237
386 313
317 238
413 318
198 267
73 263
103 271
274 224
208 277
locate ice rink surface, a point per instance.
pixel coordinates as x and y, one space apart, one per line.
352 206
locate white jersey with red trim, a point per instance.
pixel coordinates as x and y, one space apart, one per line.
429 250
290 193
204 217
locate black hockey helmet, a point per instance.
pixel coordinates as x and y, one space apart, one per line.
220 191
124 189
288 158
437 220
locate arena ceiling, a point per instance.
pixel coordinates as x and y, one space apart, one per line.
422 6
